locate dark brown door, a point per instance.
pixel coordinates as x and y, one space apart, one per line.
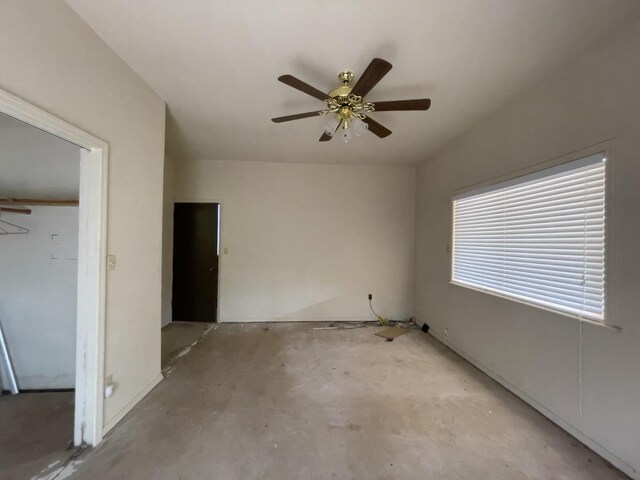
195 262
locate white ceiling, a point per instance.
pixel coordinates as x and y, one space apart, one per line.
216 62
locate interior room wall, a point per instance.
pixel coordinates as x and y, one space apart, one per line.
582 376
52 59
38 289
309 242
167 241
35 163
38 284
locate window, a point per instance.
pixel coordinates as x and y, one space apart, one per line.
538 239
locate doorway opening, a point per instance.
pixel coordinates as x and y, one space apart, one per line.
88 240
196 260
39 204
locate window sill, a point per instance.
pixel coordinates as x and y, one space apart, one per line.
540 307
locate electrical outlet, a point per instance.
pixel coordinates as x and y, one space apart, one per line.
446 332
109 386
370 296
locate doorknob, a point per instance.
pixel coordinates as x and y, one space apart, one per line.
211 269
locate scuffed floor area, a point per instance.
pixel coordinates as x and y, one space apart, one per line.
179 335
287 401
36 429
36 433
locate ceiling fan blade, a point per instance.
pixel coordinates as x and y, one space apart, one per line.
402 105
297 116
303 87
377 69
325 137
376 128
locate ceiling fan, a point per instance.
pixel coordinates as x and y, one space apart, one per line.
349 112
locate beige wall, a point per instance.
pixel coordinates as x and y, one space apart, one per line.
585 378
52 59
309 242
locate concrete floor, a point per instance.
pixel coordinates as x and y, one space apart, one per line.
36 429
178 335
36 433
285 401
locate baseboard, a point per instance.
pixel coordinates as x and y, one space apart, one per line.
134 401
589 442
294 320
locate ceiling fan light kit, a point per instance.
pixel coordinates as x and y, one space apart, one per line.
350 128
346 106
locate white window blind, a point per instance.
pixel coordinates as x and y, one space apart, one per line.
538 238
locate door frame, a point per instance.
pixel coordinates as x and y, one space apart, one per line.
220 243
92 253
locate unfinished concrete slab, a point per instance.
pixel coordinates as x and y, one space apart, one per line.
36 429
285 401
178 335
36 433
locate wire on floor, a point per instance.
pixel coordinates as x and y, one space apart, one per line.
380 319
347 325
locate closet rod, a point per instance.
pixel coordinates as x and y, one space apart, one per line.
26 211
39 201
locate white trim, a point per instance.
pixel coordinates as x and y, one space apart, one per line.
604 147
297 320
592 316
542 173
92 250
134 401
589 442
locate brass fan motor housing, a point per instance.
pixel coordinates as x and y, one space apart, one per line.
344 90
345 105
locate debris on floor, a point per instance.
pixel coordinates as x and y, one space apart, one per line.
392 332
